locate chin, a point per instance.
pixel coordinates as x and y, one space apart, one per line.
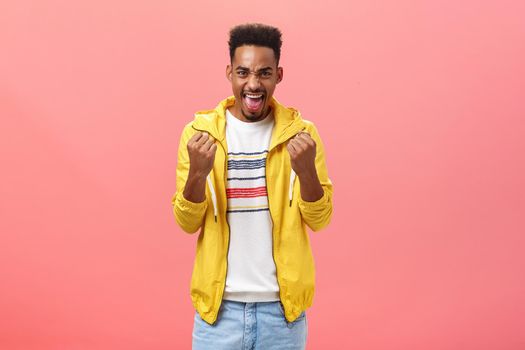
257 116
252 117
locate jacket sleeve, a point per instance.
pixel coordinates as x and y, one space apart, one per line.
317 214
189 215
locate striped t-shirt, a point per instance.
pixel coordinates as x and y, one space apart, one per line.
251 275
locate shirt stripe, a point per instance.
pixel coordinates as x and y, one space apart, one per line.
246 192
246 164
246 178
258 156
247 210
247 153
249 207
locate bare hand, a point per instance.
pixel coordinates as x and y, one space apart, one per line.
201 151
302 149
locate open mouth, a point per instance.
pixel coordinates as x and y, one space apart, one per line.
253 102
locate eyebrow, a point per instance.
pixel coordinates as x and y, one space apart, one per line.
245 68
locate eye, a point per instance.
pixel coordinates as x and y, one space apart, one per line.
266 74
241 73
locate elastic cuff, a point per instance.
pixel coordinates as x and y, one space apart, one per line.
320 202
184 203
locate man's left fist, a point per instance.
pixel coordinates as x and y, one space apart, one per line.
302 153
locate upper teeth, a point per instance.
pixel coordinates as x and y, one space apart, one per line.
253 96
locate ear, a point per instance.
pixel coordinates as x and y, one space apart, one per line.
229 72
279 74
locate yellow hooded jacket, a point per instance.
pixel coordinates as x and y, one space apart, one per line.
290 214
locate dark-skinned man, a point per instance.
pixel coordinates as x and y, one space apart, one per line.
251 175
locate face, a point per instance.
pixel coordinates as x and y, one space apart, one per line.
253 74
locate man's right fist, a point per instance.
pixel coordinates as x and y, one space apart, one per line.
201 150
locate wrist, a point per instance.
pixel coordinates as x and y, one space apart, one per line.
197 175
308 175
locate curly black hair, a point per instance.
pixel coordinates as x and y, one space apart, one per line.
255 34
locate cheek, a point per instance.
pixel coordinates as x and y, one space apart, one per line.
237 87
271 85
269 89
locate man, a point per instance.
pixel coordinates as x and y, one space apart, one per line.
251 175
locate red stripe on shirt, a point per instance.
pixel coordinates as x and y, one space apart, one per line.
246 192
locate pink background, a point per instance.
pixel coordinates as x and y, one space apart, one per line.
421 109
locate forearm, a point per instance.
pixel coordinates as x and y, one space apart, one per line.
195 188
311 189
190 205
316 202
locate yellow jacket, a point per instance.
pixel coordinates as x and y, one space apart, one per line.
291 246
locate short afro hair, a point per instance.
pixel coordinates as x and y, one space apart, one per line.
257 34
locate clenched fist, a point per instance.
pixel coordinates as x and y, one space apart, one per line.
302 153
302 149
201 151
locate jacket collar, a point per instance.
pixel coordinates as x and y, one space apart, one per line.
288 121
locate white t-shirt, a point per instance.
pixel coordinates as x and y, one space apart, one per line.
251 275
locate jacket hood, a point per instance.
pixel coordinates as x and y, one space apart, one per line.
288 120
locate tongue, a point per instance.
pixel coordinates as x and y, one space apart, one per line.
253 103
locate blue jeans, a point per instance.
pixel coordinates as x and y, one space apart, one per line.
250 326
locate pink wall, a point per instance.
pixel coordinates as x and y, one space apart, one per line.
421 107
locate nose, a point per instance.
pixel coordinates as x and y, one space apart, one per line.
253 82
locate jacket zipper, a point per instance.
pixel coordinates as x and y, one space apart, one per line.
226 217
273 228
227 223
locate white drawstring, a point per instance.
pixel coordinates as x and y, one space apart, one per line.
213 195
290 189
